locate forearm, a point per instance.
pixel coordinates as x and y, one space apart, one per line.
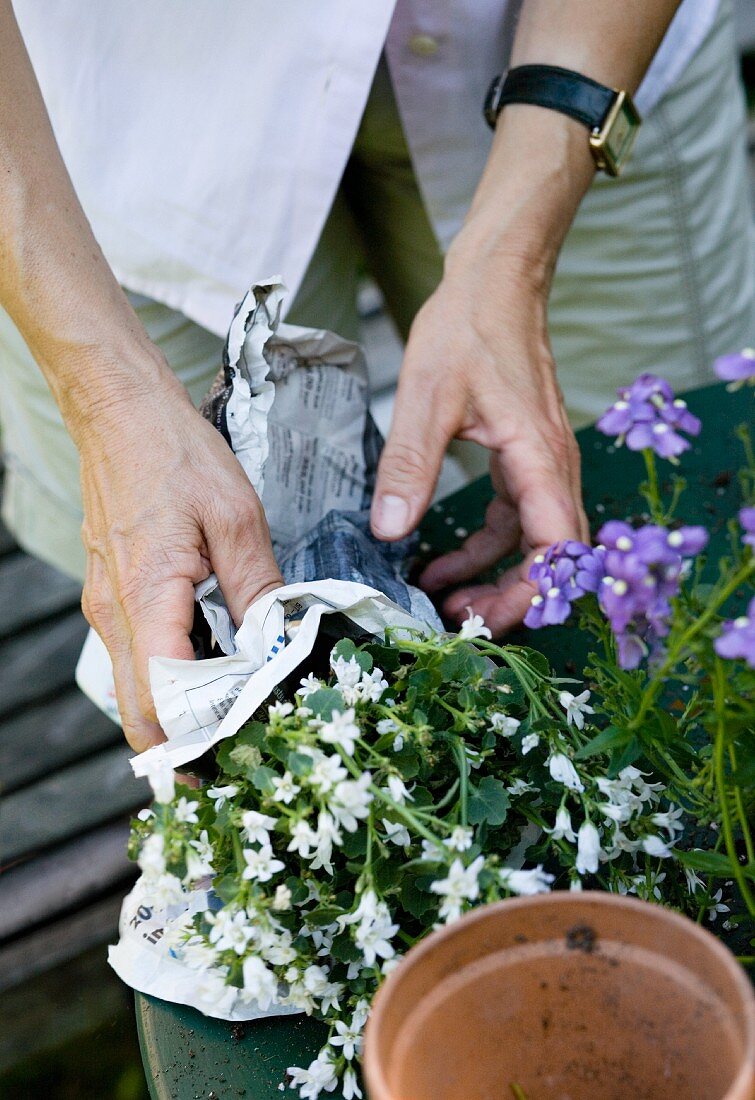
540 164
54 280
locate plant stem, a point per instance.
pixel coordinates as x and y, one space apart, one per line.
461 758
719 701
653 496
675 651
743 824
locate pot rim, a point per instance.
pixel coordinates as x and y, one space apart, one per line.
376 1079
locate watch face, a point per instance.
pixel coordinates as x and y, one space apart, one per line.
620 138
612 143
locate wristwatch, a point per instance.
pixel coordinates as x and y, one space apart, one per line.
609 114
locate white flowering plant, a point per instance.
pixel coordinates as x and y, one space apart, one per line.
419 776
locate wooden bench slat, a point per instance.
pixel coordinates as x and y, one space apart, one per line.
59 942
63 878
31 590
38 662
51 735
70 802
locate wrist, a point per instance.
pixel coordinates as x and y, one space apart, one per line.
539 168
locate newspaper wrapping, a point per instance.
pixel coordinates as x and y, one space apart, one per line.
293 404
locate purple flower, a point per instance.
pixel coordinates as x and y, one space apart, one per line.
647 416
555 574
642 570
747 519
737 638
738 368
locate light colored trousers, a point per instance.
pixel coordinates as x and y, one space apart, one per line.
657 273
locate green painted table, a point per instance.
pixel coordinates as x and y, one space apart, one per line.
188 1056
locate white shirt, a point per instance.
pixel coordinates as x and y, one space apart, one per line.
206 141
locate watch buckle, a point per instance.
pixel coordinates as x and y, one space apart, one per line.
611 143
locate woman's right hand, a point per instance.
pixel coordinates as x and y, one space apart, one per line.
166 502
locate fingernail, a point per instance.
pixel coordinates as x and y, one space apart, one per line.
391 517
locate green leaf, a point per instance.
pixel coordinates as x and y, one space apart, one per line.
322 703
226 887
299 763
463 664
622 758
414 899
609 738
262 779
346 649
299 891
324 914
717 864
488 802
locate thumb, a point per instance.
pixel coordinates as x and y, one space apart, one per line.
241 554
409 465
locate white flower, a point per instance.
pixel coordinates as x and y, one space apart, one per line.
563 771
303 839
279 710
501 723
694 882
656 846
398 742
230 931
261 865
460 885
460 839
519 786
318 1077
386 725
375 928
260 983
282 899
151 857
717 906
317 982
397 790
576 707
669 821
213 993
531 741
257 826
563 827
372 685
433 852
396 833
474 626
285 788
327 771
347 673
326 836
349 1038
164 891
533 881
220 794
145 814
198 954
278 949
350 1086
160 775
199 857
309 685
588 848
350 802
185 811
341 730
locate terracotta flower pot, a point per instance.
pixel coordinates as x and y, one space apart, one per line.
567 996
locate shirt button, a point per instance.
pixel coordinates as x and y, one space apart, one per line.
423 45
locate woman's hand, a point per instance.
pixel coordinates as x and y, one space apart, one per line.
478 366
165 503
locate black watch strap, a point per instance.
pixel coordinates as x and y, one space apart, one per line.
550 86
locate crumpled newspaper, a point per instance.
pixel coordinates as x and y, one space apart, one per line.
293 404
